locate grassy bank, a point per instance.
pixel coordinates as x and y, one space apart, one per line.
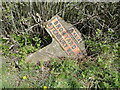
23 34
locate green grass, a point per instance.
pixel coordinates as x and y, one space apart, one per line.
98 71
98 24
0 69
67 73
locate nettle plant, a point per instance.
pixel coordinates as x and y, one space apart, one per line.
102 42
20 45
104 46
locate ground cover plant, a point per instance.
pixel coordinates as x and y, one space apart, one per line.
22 33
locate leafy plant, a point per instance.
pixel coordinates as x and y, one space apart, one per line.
22 33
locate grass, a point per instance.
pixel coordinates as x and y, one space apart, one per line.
100 70
100 73
23 34
0 71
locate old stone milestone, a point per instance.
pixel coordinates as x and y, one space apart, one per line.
66 42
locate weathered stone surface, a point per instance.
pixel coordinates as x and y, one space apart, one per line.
66 42
44 54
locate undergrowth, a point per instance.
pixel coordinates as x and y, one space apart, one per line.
23 34
101 70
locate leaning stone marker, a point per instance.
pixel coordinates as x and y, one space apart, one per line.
66 42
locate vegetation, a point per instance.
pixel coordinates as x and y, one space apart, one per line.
23 33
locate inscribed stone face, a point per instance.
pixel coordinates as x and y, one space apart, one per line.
66 41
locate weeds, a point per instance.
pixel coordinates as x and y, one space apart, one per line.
22 34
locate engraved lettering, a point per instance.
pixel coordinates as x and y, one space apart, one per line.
63 37
63 43
66 46
63 33
49 24
58 26
56 22
61 29
79 39
55 31
74 46
69 50
71 53
75 34
71 43
68 40
67 36
58 36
